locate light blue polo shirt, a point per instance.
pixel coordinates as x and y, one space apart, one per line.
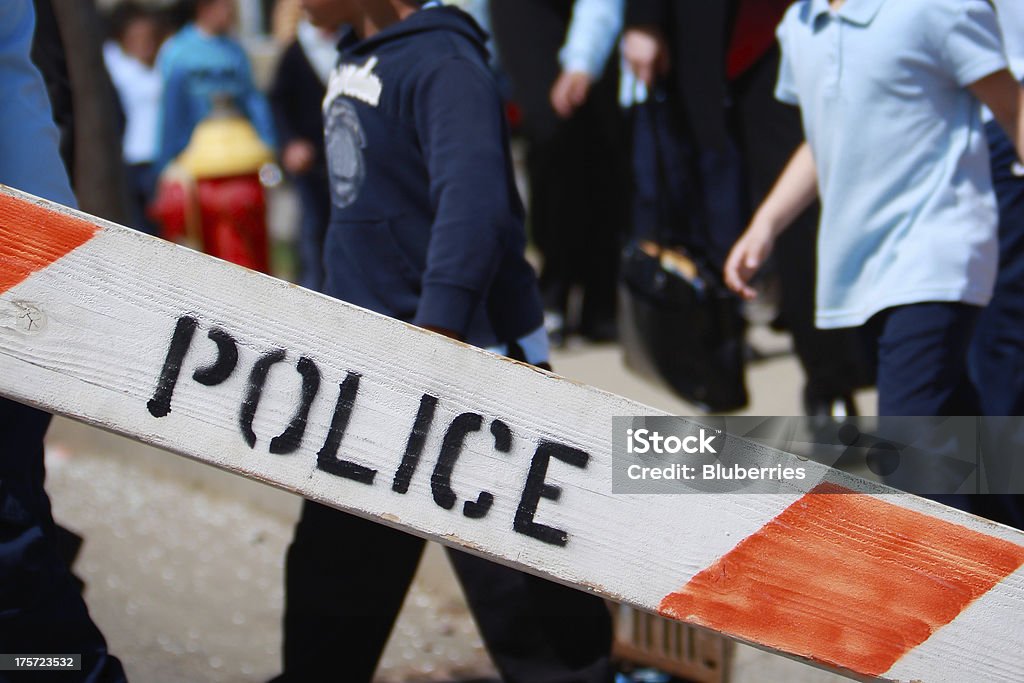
908 211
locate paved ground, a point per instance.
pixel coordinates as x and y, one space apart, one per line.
184 563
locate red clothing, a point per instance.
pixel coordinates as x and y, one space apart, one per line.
753 34
232 215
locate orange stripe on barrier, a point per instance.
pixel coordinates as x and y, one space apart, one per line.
845 579
33 237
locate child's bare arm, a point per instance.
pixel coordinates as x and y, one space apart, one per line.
1002 94
793 192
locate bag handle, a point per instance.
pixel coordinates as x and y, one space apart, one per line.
656 109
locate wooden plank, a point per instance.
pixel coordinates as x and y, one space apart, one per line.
396 424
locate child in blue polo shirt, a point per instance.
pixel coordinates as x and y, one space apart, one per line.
890 95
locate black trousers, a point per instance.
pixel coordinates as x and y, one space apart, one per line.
347 578
578 170
41 608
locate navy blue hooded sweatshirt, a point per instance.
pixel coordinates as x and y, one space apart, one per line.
426 222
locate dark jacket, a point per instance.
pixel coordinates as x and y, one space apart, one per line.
697 32
699 35
426 222
296 97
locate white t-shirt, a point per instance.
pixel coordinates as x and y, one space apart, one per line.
139 88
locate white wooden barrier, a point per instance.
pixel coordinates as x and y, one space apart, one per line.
396 424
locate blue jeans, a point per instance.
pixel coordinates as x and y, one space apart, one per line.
41 609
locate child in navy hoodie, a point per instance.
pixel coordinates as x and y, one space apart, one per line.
426 226
426 218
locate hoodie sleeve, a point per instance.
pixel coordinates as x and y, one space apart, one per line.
283 95
172 131
460 124
29 157
254 103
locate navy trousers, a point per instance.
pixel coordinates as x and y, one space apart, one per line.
996 360
923 371
315 197
41 609
922 359
997 349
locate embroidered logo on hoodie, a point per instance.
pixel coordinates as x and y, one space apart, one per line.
345 140
357 82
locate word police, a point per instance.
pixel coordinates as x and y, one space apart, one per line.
643 441
328 460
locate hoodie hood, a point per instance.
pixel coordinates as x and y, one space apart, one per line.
450 19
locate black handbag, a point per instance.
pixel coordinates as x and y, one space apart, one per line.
678 323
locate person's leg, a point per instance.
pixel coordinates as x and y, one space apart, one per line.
922 360
554 145
345 580
996 359
536 631
832 360
314 197
602 206
997 349
41 609
141 186
922 372
555 185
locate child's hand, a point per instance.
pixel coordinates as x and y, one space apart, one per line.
747 256
570 92
298 156
645 51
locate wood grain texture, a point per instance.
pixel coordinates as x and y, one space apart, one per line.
904 574
276 383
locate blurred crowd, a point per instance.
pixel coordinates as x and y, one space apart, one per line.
786 149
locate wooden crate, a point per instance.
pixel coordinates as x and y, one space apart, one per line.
688 652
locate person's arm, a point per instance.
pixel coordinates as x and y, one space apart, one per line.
255 104
29 143
794 191
460 125
283 94
590 40
173 129
1004 96
297 153
971 53
644 46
